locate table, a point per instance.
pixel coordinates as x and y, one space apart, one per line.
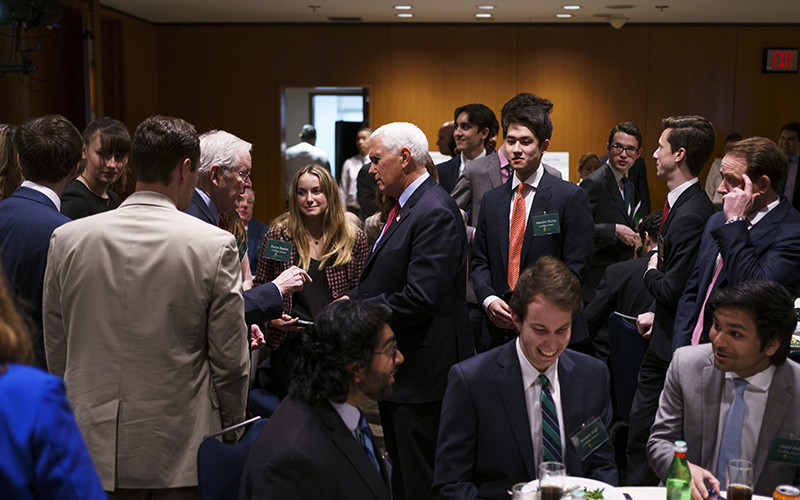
658 493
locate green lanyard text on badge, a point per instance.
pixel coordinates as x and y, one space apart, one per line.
278 250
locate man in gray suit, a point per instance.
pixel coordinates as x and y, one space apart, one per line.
143 319
736 397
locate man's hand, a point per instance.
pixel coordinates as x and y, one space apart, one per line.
738 202
653 262
627 235
256 338
699 477
286 324
291 280
644 323
500 314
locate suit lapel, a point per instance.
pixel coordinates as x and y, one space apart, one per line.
765 225
509 382
538 207
690 191
352 450
198 200
613 191
712 380
495 179
571 409
504 222
778 401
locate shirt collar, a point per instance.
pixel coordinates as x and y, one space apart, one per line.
760 381
533 180
210 204
676 193
465 161
531 374
411 188
503 159
617 174
349 413
51 195
756 217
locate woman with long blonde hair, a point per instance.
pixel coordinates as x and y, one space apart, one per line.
323 243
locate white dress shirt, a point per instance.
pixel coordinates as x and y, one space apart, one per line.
51 195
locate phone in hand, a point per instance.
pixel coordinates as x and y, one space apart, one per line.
305 323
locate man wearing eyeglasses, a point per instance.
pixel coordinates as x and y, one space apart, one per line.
614 201
223 176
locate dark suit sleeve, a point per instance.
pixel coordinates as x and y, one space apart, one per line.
297 475
437 254
604 232
638 174
603 304
780 263
579 235
462 193
685 319
667 286
262 303
457 445
481 273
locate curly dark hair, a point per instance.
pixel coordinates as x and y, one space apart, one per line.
344 339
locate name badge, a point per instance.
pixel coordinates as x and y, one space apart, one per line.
278 250
545 224
589 437
785 450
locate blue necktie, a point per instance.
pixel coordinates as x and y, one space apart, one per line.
731 446
551 436
365 436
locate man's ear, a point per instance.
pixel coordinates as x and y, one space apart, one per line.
484 134
405 158
680 155
215 173
772 345
358 371
517 321
184 169
761 185
544 146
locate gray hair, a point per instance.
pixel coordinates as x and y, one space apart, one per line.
221 148
399 135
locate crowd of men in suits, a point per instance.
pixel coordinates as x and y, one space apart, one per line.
143 314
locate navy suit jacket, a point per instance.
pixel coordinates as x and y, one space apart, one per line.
573 245
485 445
308 452
256 230
679 243
448 173
770 250
261 303
27 220
418 269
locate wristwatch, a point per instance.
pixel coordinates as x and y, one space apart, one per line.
733 219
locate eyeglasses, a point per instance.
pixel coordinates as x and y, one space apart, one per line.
391 352
619 148
243 176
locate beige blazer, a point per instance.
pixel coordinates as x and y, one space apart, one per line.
143 319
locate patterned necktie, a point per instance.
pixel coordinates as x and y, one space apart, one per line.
664 217
731 446
551 436
698 328
365 436
626 189
517 235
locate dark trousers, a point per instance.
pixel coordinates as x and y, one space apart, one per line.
410 432
476 315
652 375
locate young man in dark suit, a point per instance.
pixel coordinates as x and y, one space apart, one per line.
684 148
49 152
318 444
476 125
531 215
497 422
418 268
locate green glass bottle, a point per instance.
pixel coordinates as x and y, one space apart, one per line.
678 477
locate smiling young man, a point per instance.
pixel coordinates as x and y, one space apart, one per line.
736 397
511 408
531 215
475 125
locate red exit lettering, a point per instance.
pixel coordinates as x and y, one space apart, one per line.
782 59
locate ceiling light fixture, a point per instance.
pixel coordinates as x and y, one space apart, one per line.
405 14
486 7
572 7
402 7
563 15
618 22
483 15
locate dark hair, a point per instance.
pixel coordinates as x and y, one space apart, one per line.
362 129
10 177
629 128
695 135
482 116
308 132
159 144
763 157
584 159
650 224
345 336
552 279
792 127
114 136
768 303
530 111
733 137
49 147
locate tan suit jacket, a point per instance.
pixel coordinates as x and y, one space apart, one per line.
143 319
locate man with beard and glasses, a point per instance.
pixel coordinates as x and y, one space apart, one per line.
317 443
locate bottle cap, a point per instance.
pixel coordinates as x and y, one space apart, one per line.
680 446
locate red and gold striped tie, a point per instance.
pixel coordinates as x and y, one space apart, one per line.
517 235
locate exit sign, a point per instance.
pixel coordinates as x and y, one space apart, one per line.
780 60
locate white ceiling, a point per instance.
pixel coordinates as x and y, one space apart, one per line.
460 11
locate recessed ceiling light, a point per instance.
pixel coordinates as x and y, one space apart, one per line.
483 14
563 15
402 7
405 14
486 7
572 7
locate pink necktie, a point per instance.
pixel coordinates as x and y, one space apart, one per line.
698 328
